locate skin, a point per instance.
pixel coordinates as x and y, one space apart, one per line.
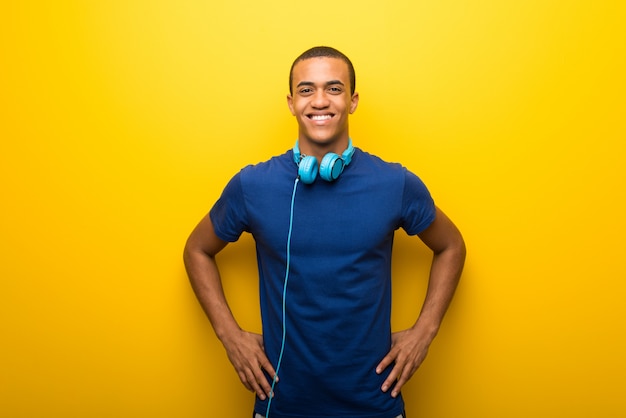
321 104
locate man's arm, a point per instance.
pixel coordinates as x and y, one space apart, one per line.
245 350
410 347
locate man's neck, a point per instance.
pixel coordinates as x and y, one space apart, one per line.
319 150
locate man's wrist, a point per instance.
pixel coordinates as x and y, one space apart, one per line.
426 329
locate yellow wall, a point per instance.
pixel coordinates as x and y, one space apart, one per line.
121 121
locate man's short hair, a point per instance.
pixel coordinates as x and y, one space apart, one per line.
328 52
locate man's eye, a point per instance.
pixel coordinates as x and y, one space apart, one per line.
306 91
335 90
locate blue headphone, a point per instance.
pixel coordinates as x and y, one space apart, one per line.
330 169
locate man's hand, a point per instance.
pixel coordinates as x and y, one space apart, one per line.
408 350
246 352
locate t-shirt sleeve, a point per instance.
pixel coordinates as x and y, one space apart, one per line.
229 214
418 207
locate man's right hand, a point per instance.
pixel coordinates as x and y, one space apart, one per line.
246 352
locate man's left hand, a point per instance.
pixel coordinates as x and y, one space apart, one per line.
408 350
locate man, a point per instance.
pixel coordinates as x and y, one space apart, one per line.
323 216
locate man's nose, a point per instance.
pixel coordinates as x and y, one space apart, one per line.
320 99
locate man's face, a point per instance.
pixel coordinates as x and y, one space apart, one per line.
321 100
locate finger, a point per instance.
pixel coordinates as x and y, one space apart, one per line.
398 387
264 362
244 380
256 383
267 366
264 383
392 378
385 362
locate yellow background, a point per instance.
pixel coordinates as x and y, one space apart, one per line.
121 122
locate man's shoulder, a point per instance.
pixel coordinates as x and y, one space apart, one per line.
281 161
273 171
374 162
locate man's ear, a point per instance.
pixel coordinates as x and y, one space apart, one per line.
354 102
290 104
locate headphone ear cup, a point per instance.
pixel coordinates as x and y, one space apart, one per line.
331 167
307 169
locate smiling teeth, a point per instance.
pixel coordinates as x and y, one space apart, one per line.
320 117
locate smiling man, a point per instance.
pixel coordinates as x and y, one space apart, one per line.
323 216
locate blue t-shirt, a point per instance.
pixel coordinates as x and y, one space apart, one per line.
338 297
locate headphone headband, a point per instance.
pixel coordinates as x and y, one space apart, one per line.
346 156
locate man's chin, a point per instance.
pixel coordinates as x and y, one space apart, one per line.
320 139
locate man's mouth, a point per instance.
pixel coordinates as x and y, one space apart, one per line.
320 117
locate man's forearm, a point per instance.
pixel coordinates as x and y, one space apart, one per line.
444 277
207 285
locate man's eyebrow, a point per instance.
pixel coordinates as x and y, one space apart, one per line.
328 83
